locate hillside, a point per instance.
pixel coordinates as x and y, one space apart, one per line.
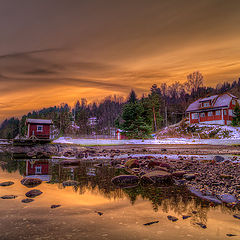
200 131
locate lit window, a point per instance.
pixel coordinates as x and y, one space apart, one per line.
194 115
210 114
202 115
225 112
39 128
218 112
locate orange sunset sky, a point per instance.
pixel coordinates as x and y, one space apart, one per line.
63 50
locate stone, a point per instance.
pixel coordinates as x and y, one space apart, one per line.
237 216
218 159
132 163
171 218
178 174
125 180
5 184
185 217
27 200
231 235
55 206
31 182
189 176
158 177
33 193
70 183
202 225
150 223
9 197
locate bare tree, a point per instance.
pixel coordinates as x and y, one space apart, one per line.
194 81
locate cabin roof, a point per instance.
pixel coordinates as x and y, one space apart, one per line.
39 121
220 102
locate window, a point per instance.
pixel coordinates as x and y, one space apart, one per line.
39 128
230 112
206 104
194 115
218 112
202 115
210 114
225 112
38 169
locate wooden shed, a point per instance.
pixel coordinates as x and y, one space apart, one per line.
39 128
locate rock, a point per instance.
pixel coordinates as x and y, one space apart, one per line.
125 180
132 163
165 165
237 216
171 218
99 213
5 184
218 159
31 182
153 164
150 223
185 217
226 176
189 176
202 225
178 174
33 193
158 177
8 196
55 206
70 183
231 235
194 212
27 200
228 198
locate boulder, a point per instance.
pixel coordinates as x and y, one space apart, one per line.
237 216
70 183
218 159
9 197
27 200
158 177
33 193
5 184
132 163
189 176
178 174
228 198
31 182
55 206
171 218
125 180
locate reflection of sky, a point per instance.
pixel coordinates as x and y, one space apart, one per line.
58 51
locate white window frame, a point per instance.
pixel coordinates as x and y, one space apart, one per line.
218 113
210 114
202 114
41 128
38 170
195 115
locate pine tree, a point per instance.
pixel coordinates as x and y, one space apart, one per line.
236 114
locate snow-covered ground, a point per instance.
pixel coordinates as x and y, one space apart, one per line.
68 140
4 141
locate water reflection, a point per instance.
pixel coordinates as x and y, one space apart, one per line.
95 177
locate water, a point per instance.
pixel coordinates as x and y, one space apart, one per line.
124 210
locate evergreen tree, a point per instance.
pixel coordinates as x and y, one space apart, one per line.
236 118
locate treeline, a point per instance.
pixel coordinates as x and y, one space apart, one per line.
164 105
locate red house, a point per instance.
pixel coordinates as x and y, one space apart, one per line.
40 128
217 109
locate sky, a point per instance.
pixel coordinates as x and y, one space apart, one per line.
54 51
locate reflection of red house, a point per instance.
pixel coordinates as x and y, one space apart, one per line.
40 128
216 109
120 135
37 167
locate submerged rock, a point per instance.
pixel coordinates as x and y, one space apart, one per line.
9 197
158 177
171 218
55 206
185 217
5 184
150 223
125 180
70 183
202 225
31 182
237 216
27 200
33 193
218 158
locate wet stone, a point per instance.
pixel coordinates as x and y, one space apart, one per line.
172 218
237 216
185 217
202 225
31 182
9 197
55 206
5 184
27 200
33 193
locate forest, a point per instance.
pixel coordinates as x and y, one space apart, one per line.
138 116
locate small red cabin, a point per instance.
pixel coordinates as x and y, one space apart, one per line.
40 128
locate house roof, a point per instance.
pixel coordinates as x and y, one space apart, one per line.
39 121
221 101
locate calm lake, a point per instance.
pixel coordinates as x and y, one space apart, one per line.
96 209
